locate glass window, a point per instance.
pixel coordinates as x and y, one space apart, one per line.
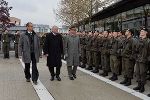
130 14
124 18
138 12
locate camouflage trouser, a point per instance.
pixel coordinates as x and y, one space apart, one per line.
41 48
6 49
89 58
141 70
95 59
114 64
105 62
83 56
127 67
16 50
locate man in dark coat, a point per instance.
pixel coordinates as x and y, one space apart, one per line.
53 49
29 51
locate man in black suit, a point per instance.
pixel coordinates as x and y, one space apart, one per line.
53 49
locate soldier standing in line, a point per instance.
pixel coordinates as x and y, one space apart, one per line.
148 59
142 59
114 61
17 36
100 37
83 49
42 40
121 39
105 54
95 53
88 51
6 44
127 58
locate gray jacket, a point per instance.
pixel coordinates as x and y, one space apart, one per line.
72 50
24 48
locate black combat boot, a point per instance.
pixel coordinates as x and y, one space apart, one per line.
124 81
138 87
114 78
95 70
142 89
89 68
83 66
128 83
104 74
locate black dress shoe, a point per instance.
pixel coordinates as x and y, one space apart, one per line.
71 78
148 95
52 78
35 82
58 78
74 76
27 80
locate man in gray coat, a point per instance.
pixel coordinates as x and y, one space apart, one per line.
29 51
72 52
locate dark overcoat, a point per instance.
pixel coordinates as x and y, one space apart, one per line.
53 46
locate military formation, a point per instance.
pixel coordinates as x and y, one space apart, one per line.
121 53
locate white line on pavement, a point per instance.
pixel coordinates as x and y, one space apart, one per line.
41 91
124 88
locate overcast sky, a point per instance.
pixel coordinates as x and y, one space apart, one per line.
36 11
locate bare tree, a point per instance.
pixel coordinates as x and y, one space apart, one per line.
73 11
4 14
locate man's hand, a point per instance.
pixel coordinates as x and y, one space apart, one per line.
46 55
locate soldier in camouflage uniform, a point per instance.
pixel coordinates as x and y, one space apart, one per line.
6 44
42 40
127 58
17 37
100 37
114 60
89 40
105 54
95 56
83 49
121 39
142 49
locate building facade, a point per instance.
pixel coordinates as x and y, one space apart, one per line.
120 15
